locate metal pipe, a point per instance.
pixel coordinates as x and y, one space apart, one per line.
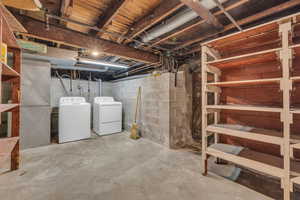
176 21
62 83
173 23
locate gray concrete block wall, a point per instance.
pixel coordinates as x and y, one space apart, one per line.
181 110
153 115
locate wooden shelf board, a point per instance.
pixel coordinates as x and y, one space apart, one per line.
245 162
7 107
295 78
295 110
8 72
245 108
8 36
225 130
296 49
295 146
6 147
296 180
246 82
246 33
246 59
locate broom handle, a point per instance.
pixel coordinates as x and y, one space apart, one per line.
137 104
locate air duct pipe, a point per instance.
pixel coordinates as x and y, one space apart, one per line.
176 21
173 23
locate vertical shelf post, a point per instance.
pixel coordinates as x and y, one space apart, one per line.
286 117
15 156
204 110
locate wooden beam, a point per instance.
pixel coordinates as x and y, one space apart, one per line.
188 28
14 24
37 29
66 8
164 9
252 18
108 16
203 12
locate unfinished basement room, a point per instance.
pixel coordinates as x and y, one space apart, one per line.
150 99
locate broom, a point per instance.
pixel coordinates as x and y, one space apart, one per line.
134 134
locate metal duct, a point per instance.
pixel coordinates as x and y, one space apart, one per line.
176 21
173 23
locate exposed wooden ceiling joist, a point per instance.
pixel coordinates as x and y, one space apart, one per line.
203 12
66 8
37 29
188 28
164 9
252 18
108 16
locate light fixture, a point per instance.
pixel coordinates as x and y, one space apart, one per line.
95 53
100 63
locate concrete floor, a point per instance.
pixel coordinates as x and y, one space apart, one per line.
112 168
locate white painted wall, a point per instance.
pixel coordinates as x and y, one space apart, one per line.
57 89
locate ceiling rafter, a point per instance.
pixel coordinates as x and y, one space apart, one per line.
108 16
66 8
163 10
37 29
188 28
203 12
252 18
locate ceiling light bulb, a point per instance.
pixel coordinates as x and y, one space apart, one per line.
95 53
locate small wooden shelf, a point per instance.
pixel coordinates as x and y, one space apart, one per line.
248 163
7 107
296 180
295 146
229 39
295 110
296 49
246 82
6 147
295 78
245 108
246 59
226 129
8 72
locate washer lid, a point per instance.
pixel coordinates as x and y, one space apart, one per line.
71 100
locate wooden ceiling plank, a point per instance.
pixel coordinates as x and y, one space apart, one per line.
164 9
203 12
68 37
180 31
108 16
252 18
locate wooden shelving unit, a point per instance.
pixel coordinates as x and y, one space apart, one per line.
220 55
10 146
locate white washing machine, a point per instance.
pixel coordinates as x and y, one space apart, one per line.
107 116
74 119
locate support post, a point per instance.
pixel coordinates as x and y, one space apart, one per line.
204 110
286 118
15 155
